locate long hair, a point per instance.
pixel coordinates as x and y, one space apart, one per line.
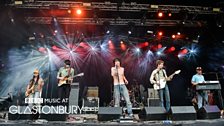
32 80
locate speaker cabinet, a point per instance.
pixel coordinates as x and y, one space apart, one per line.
21 114
109 113
52 114
153 113
209 112
183 113
74 94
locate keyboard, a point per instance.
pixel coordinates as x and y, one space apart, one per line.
209 85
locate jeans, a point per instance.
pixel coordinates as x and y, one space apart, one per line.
36 94
122 89
165 91
203 95
33 96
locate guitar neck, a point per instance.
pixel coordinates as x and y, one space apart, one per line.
172 75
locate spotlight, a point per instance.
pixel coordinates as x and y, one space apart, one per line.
160 33
158 53
184 51
108 32
12 20
161 50
121 42
172 48
78 11
109 41
160 14
159 46
169 14
192 51
146 43
55 31
129 32
71 51
69 11
178 33
137 50
173 36
93 48
149 32
179 55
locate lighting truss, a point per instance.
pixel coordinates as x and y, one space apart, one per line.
113 21
109 6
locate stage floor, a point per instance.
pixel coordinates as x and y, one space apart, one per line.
91 120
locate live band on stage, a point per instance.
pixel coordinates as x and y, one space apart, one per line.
121 95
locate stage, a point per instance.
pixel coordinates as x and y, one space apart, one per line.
91 120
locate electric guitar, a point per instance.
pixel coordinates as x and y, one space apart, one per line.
162 82
28 92
65 79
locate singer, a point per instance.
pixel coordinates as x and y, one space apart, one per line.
117 72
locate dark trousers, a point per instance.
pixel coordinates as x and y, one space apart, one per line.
63 93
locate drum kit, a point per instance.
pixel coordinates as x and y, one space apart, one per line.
136 94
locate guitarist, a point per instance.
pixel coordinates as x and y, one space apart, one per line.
65 76
34 88
158 74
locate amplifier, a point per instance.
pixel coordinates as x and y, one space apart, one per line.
90 104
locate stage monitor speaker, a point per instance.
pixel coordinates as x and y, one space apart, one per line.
183 113
153 113
21 115
209 112
109 113
74 95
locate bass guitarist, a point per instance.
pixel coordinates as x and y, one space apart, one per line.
159 78
65 78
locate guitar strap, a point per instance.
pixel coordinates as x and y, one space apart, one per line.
69 72
164 74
